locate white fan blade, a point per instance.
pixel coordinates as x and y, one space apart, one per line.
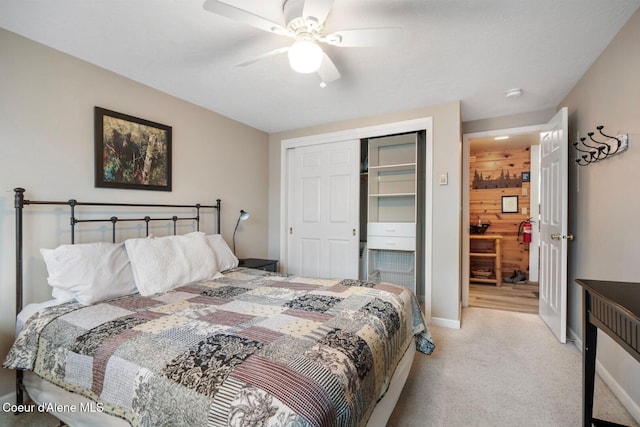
318 9
328 71
264 56
364 37
241 15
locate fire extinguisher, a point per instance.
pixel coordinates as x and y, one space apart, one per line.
525 230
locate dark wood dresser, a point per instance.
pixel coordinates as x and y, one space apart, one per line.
259 263
614 308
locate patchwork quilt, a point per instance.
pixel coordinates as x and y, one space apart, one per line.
250 348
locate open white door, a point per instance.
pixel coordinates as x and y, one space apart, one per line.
554 173
324 239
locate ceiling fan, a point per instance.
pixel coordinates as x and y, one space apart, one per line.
304 22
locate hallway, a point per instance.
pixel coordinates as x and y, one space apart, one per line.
521 298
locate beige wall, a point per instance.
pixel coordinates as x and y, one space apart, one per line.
508 122
605 197
445 277
46 146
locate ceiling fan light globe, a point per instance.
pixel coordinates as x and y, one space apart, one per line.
305 56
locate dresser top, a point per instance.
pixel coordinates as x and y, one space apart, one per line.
625 295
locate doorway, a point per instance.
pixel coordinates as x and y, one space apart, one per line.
500 199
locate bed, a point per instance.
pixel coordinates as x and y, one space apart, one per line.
207 346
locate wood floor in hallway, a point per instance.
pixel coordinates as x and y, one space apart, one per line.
521 298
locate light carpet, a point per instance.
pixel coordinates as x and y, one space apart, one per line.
500 369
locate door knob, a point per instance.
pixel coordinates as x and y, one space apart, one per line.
559 236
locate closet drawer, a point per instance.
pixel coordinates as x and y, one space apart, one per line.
391 243
391 229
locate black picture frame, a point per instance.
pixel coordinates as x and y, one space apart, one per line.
509 204
130 152
526 176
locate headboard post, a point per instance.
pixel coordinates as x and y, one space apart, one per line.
218 216
72 220
114 220
19 204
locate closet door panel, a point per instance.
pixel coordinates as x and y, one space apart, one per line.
324 210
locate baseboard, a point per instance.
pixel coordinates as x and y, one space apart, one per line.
445 323
619 392
577 340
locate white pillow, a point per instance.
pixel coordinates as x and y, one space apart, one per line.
164 263
226 259
89 272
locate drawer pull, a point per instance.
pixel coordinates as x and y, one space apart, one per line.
391 243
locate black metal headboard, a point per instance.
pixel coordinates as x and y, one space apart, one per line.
21 202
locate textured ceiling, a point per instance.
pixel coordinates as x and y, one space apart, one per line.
467 50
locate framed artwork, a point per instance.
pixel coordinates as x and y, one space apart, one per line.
526 176
509 204
131 152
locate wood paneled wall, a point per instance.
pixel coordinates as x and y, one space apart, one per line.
486 204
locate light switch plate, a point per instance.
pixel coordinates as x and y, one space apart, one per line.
443 178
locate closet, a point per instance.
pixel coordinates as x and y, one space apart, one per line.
325 223
392 206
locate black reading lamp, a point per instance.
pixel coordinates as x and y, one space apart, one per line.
244 215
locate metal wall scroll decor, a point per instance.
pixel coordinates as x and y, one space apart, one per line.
507 180
594 151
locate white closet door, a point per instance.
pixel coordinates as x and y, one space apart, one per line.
324 210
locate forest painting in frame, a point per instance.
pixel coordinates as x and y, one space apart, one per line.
131 152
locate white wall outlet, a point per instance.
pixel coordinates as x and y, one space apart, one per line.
524 211
524 191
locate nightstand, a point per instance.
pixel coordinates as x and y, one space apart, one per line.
260 264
